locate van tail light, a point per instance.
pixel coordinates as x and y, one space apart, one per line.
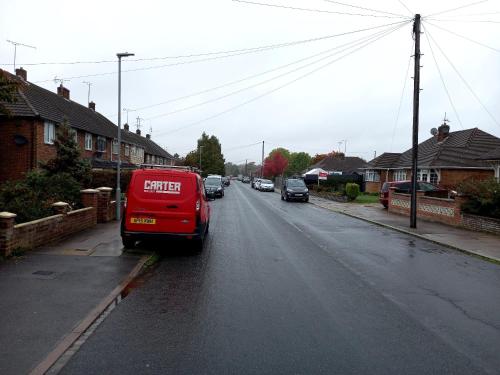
198 205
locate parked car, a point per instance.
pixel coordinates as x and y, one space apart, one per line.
266 185
257 183
214 187
246 180
226 180
165 204
294 189
405 187
253 181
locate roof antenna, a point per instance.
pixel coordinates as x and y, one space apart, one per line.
60 80
445 120
88 93
15 50
138 124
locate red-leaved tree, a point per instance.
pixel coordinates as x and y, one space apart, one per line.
275 165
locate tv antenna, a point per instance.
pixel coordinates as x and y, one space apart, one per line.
15 44
88 94
445 120
138 124
128 110
60 80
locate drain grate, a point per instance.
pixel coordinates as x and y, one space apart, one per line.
43 273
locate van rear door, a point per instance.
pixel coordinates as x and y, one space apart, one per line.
162 202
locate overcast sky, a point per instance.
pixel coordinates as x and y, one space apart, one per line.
352 95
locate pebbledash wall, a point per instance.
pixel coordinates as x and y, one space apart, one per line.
441 210
98 208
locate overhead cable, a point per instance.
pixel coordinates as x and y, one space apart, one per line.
279 87
363 8
457 8
316 10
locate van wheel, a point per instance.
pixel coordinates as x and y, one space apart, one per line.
128 242
198 245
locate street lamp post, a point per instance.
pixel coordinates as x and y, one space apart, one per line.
118 160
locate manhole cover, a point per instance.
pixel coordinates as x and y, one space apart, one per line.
43 273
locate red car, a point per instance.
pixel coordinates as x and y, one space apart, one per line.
163 204
405 187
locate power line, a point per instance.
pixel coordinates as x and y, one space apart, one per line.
442 79
203 54
279 87
244 52
315 10
349 44
401 98
463 37
457 8
463 80
458 20
404 6
240 147
363 8
262 73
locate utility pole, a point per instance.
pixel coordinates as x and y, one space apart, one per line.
88 93
15 50
416 102
262 162
118 160
246 162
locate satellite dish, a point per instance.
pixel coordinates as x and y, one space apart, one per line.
434 131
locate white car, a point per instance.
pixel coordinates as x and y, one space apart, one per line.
266 185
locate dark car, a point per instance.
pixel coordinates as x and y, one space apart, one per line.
214 187
226 180
294 189
405 187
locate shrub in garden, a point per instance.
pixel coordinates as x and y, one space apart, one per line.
483 197
352 191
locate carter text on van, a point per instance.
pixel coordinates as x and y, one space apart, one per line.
164 187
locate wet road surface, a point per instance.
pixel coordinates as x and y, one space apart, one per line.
290 288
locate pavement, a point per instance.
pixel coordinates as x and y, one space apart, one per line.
49 295
476 243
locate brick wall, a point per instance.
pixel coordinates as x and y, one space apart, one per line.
450 178
44 152
15 159
442 210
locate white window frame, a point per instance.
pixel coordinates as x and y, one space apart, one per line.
49 132
74 133
115 146
432 176
88 141
399 175
127 150
372 175
99 141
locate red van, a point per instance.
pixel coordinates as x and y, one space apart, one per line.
165 203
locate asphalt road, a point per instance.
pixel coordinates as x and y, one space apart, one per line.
290 288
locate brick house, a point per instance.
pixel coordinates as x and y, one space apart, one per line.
341 164
445 159
27 134
493 158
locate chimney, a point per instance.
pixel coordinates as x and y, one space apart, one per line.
148 136
21 73
125 127
63 91
138 132
92 106
443 132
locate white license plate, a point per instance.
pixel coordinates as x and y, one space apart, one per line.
299 195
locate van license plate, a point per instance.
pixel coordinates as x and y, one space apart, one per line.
142 220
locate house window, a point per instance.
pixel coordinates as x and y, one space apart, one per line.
115 146
101 144
74 133
428 175
372 176
49 133
399 175
127 150
88 141
133 151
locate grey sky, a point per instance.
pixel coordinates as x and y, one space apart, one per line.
354 99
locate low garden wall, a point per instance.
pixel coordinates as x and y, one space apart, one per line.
442 210
98 208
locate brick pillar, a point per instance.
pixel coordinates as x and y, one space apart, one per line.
389 202
103 202
459 200
89 197
7 221
60 208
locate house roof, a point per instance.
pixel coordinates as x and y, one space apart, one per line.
347 164
385 160
491 155
460 149
35 101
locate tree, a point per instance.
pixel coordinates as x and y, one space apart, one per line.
212 160
8 89
298 162
231 169
318 157
275 164
68 158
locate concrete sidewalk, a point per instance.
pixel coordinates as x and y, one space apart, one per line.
48 292
477 243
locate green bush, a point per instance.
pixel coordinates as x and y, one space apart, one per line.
107 178
483 197
352 191
32 198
